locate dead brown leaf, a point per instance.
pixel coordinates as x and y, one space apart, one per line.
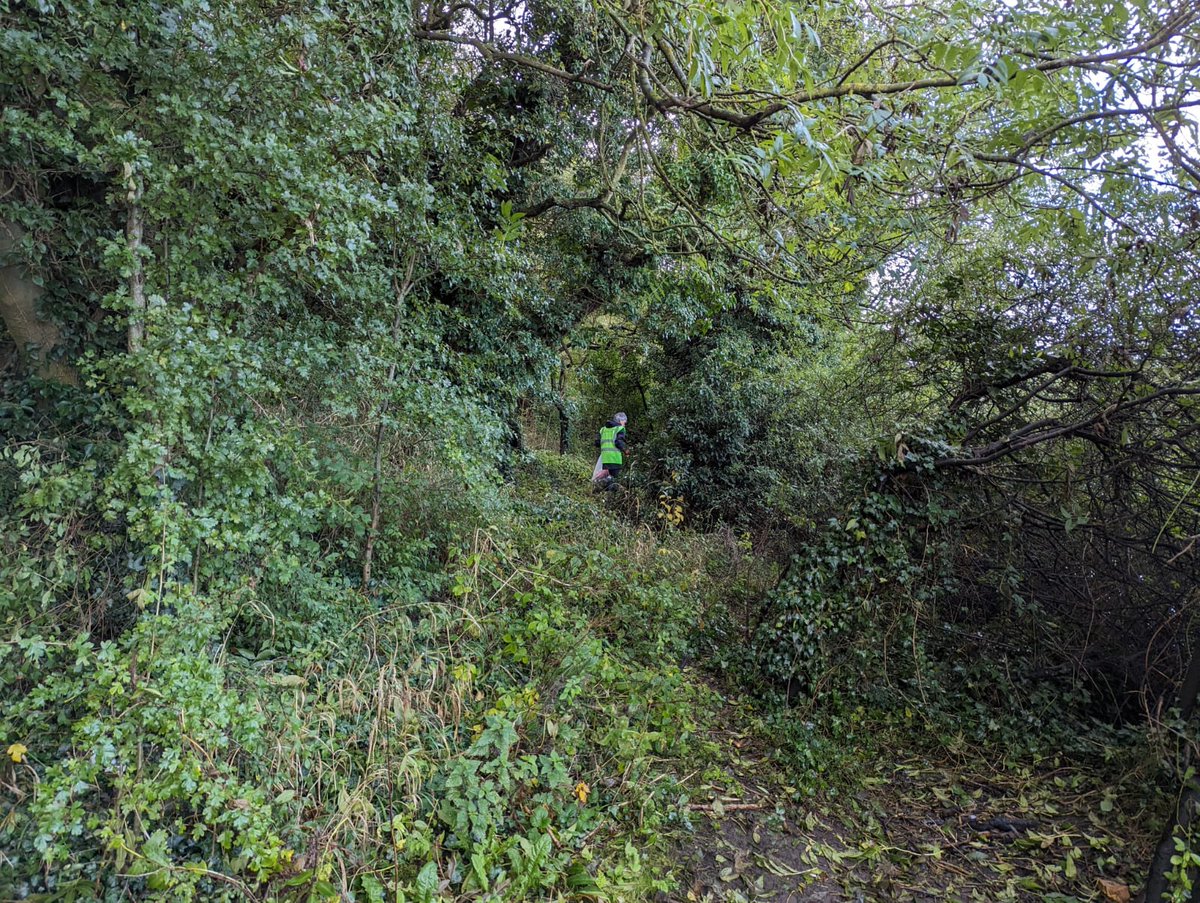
1114 890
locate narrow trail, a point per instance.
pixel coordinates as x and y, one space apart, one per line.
915 832
906 817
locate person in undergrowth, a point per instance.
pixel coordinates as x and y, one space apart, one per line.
612 450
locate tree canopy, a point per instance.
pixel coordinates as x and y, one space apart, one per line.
901 301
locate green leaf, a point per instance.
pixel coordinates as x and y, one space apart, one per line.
479 869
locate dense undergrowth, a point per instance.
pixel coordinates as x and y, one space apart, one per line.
533 706
507 714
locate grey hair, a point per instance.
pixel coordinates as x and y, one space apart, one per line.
620 417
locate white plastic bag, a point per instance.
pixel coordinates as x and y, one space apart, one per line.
599 472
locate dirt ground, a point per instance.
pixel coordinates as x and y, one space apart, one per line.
916 831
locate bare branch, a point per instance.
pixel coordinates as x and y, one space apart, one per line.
1042 431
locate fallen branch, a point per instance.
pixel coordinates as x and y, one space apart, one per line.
729 807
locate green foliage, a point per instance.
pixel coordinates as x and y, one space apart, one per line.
506 718
1180 877
848 604
271 626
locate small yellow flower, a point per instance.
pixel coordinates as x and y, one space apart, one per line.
581 792
17 751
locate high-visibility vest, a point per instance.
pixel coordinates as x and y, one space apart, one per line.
609 453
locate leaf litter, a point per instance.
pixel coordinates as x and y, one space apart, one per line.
914 830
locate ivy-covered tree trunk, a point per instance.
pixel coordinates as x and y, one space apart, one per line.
560 406
402 290
20 295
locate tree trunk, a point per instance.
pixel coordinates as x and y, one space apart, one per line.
137 277
1186 808
372 537
559 386
34 336
1187 802
564 426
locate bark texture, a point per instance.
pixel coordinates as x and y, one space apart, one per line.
34 336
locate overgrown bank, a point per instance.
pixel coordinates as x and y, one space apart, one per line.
547 706
502 722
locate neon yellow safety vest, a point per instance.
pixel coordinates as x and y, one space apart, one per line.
609 453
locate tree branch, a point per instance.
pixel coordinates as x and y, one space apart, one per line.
978 390
602 201
1034 434
519 59
746 121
